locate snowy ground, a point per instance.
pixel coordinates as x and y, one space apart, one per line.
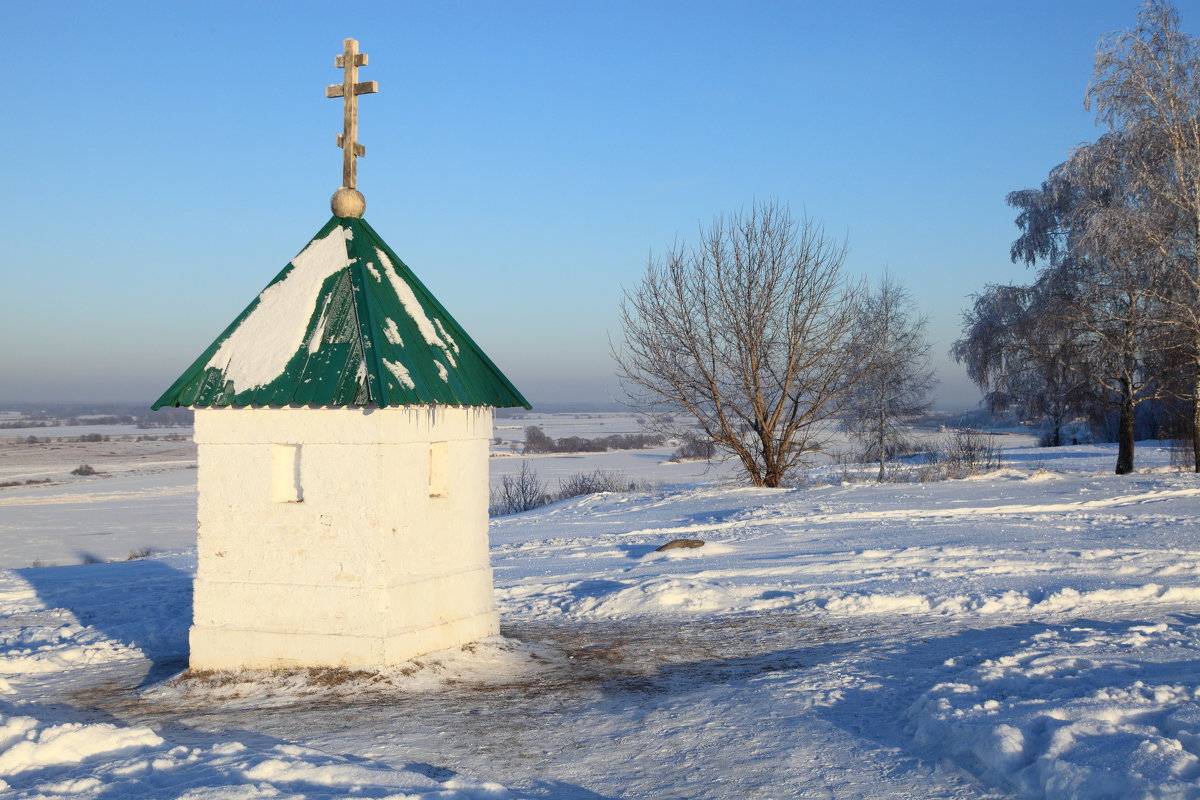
144 492
142 495
1032 633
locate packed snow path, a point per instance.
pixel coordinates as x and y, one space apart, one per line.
1033 633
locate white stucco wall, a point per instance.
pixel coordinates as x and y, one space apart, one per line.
340 537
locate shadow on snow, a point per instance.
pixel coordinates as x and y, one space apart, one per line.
146 604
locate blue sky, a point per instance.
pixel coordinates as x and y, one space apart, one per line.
164 160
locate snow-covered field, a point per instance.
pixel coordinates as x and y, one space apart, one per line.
1030 633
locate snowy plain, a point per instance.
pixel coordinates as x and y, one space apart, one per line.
1029 633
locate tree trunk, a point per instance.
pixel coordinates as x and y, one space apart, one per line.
1057 419
1125 432
1196 423
772 457
1196 352
881 422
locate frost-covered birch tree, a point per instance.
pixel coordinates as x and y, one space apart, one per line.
896 381
1020 349
1090 226
744 333
1146 86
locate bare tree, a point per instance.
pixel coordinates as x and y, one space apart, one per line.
747 332
1146 85
894 389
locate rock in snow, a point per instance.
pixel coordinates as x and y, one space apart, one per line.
677 543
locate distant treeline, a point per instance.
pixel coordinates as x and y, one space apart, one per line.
57 416
561 408
96 437
536 441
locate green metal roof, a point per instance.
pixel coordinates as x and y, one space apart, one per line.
345 323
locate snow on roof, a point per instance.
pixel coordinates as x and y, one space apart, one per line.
330 330
259 349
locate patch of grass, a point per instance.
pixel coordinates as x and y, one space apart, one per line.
960 454
205 680
29 482
525 491
329 677
211 678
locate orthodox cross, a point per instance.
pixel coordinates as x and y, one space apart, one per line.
349 89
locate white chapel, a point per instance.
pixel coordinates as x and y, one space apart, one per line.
342 423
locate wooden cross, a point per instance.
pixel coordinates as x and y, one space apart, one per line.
350 60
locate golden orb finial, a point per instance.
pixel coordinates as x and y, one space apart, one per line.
348 203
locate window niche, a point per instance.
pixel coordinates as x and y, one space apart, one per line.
439 478
285 474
